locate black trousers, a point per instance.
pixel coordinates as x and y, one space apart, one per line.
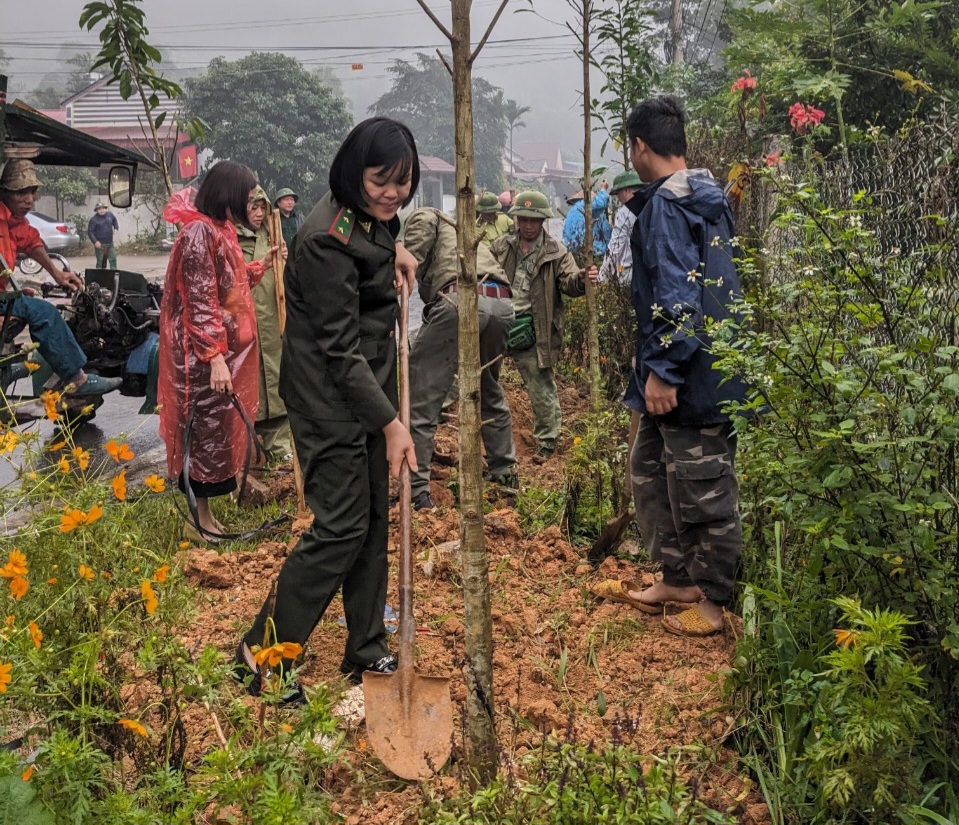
346 481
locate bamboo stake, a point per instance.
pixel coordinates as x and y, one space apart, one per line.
275 228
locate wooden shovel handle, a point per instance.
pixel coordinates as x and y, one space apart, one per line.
407 625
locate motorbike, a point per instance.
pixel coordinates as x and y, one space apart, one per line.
115 319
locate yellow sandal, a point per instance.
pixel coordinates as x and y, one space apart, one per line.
692 623
614 590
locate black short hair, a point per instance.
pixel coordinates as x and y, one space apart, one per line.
661 124
226 186
377 141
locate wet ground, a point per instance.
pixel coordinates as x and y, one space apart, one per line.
119 416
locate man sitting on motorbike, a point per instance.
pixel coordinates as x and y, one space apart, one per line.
18 191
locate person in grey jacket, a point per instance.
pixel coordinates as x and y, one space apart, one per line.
100 232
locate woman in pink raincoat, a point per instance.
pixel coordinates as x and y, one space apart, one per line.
208 340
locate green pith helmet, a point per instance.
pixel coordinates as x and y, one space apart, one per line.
283 193
626 180
488 202
531 205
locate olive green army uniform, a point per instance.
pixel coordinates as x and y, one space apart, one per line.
338 379
434 356
272 424
539 279
491 223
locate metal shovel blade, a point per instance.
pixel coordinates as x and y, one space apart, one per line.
413 737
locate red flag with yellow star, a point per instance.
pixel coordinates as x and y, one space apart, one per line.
186 160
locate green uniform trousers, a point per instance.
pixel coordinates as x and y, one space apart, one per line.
275 435
687 504
433 363
541 388
106 253
346 480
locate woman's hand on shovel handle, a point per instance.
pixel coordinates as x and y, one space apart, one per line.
399 447
406 265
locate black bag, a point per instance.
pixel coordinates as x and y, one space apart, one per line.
522 335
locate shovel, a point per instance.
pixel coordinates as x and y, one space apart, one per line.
409 716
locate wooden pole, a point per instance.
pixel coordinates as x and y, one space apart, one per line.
275 229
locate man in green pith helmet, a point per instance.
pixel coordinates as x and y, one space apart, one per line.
491 223
540 270
290 216
618 262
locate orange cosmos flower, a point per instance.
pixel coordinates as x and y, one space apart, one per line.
55 448
135 727
16 565
86 572
120 486
32 366
50 401
25 776
161 573
72 519
155 483
845 638
36 634
82 456
63 465
8 442
5 677
149 597
274 654
119 452
19 587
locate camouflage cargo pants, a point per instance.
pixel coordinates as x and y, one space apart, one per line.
541 388
687 504
434 359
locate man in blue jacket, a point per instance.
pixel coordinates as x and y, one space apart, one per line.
100 232
683 461
574 227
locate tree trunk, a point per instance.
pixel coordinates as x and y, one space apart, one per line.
595 379
476 588
677 52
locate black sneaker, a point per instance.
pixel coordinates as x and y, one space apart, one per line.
354 672
253 680
423 501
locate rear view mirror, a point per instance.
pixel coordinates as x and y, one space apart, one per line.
120 187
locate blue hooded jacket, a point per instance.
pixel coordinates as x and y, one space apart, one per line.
683 274
574 227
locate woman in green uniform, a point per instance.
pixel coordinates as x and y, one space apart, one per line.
338 379
271 424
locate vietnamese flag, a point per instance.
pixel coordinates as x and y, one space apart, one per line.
186 160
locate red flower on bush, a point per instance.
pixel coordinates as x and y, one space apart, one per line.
744 84
774 158
801 117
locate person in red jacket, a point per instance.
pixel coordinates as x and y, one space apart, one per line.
18 192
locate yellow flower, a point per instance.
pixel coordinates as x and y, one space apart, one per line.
86 572
8 442
183 545
161 573
149 598
63 465
845 638
72 519
51 581
286 727
55 448
119 452
576 441
19 587
83 458
16 565
5 676
25 776
274 654
36 634
120 486
9 621
135 727
50 400
155 483
32 366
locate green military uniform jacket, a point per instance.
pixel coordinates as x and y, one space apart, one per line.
431 237
339 351
255 246
555 273
489 231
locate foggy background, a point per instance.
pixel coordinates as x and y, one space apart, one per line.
531 56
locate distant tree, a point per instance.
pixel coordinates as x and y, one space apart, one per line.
513 113
421 96
267 111
68 184
51 95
